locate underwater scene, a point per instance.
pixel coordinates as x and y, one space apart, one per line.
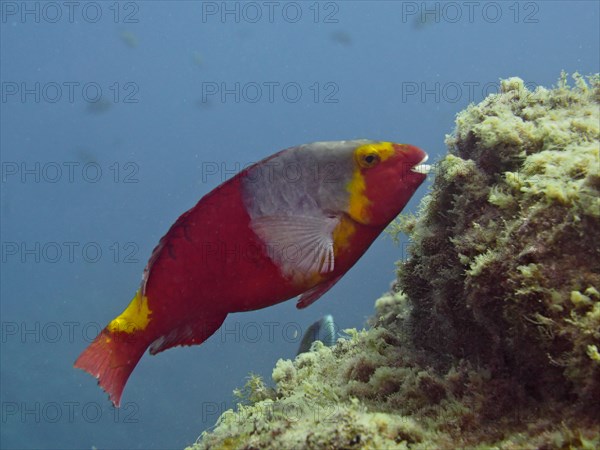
299 225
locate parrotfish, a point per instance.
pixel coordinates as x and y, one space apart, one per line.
290 225
323 330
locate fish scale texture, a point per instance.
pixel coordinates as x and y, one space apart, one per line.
491 335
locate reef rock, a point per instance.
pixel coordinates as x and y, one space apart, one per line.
491 335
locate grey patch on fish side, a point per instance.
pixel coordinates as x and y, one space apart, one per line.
308 180
295 200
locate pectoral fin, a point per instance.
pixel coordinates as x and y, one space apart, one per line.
299 245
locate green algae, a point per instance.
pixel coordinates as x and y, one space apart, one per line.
514 217
490 336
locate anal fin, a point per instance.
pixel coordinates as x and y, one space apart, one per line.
192 333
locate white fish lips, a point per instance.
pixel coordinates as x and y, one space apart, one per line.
422 168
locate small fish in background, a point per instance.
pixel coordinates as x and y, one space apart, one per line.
85 155
197 59
5 202
323 330
128 38
231 252
341 37
244 34
99 107
208 104
423 21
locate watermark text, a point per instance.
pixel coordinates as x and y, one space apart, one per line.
270 12
69 12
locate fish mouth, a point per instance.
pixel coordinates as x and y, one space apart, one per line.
422 168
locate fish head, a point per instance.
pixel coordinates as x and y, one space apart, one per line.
385 176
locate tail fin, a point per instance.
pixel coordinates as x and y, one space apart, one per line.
111 358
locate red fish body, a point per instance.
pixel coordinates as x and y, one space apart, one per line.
292 224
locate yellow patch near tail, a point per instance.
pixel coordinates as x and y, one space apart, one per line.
135 317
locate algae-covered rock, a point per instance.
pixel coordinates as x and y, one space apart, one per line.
505 262
491 335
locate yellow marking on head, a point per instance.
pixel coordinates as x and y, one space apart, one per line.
365 156
383 150
135 317
358 202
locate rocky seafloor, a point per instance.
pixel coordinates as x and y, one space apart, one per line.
490 337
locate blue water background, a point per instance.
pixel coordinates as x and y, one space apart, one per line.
154 143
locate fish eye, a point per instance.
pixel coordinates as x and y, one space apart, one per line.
369 160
